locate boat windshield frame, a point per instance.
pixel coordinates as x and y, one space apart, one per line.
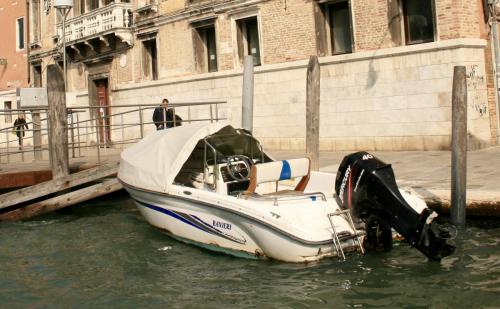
215 149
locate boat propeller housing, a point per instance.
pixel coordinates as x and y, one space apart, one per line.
367 186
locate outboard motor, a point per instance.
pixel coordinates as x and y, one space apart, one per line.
367 187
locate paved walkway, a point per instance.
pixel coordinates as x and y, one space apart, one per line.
427 169
16 163
426 172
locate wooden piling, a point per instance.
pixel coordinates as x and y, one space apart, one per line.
459 147
247 101
312 112
58 122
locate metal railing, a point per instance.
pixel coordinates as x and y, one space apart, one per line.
95 129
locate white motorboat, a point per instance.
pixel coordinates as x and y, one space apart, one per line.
213 186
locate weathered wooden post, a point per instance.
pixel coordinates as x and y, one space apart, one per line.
247 102
312 112
459 147
37 135
58 122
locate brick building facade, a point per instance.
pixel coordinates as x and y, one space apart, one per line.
386 65
13 56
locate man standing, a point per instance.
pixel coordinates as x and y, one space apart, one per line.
163 117
19 126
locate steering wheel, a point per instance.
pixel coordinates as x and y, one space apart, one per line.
234 168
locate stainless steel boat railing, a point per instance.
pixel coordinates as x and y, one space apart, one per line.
281 197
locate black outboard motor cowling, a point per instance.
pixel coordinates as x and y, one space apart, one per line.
367 187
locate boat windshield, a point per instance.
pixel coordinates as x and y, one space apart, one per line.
216 149
230 142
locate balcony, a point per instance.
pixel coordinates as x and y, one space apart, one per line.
103 26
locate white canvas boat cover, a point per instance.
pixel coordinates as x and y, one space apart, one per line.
154 162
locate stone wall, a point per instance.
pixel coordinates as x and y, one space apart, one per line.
392 99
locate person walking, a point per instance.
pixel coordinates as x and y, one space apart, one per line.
163 117
20 126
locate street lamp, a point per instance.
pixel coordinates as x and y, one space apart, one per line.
64 6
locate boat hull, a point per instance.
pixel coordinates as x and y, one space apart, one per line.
228 231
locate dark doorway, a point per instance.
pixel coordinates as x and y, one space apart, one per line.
103 113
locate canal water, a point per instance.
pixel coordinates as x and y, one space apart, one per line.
104 255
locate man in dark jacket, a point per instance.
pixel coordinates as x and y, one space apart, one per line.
163 117
19 126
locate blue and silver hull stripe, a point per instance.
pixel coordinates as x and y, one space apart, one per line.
194 221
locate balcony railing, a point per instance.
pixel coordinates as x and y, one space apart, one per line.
113 18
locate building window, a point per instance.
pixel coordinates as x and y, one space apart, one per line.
35 15
37 76
334 28
150 59
418 21
20 33
248 39
93 4
205 49
79 7
82 6
7 106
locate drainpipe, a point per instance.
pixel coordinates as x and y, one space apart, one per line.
28 22
494 35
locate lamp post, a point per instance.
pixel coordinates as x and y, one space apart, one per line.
64 6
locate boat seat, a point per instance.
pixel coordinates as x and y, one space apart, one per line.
280 170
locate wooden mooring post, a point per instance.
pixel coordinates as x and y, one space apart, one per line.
35 200
247 96
459 147
58 122
312 112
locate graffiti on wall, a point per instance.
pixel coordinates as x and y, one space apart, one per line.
476 88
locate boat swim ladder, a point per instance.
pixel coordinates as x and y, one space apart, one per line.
335 236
